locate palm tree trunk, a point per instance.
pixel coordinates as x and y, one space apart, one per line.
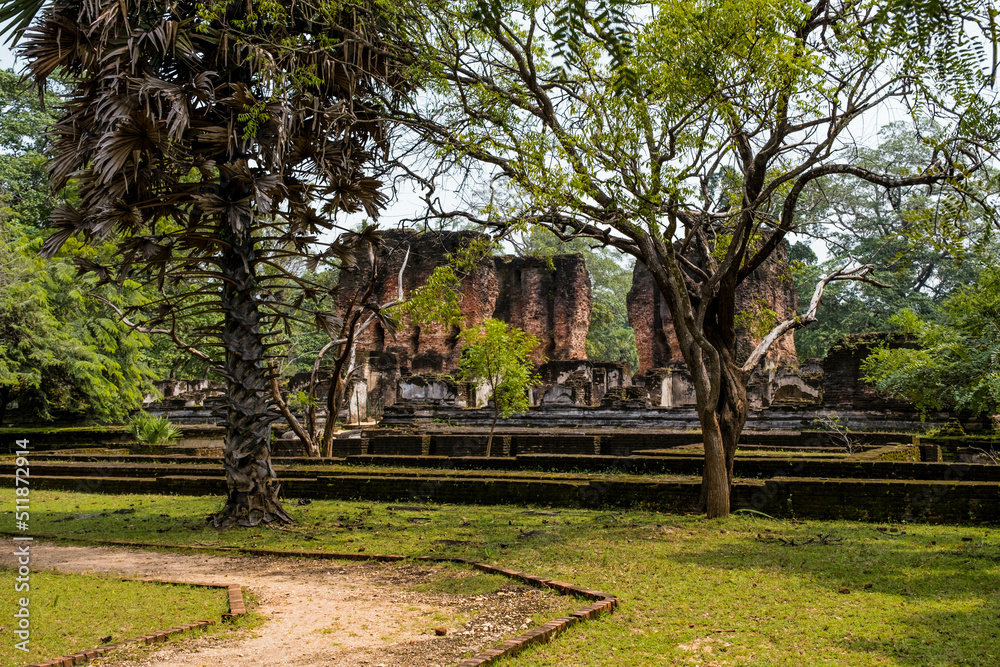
253 486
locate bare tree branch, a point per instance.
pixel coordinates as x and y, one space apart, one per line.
859 274
171 332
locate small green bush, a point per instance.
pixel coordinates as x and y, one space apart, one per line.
151 430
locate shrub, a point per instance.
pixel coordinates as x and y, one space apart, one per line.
151 430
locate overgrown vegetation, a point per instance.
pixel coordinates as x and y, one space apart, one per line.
746 590
62 354
956 365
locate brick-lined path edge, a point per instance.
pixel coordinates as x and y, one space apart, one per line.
236 608
602 603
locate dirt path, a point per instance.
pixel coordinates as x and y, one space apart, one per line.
320 612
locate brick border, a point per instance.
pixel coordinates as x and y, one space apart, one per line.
237 607
83 657
603 603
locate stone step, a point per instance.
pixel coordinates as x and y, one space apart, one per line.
522 466
851 499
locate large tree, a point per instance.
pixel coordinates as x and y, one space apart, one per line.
685 132
214 142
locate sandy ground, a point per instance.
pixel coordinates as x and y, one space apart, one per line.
318 612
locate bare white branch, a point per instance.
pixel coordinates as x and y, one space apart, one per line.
859 273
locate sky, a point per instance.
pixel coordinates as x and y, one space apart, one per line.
6 57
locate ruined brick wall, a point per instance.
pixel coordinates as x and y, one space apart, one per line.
649 318
552 303
842 383
420 349
771 284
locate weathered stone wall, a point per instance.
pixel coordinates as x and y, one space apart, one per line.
550 301
770 286
843 386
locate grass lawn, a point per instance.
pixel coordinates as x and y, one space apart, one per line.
694 591
71 612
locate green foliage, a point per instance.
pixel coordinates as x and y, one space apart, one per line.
300 401
437 300
500 356
708 144
922 254
758 320
151 430
62 353
24 191
957 362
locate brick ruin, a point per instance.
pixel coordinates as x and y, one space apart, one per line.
551 302
662 370
551 299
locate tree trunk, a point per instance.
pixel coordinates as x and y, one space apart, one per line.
723 423
715 482
252 482
732 413
342 371
334 404
493 426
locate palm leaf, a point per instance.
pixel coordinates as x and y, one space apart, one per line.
16 16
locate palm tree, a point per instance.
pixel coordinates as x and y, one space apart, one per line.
216 141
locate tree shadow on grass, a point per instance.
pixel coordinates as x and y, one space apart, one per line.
903 599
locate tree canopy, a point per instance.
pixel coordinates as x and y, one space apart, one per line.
686 134
62 354
956 365
921 258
